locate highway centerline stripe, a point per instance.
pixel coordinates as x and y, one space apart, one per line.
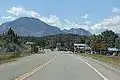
26 75
104 78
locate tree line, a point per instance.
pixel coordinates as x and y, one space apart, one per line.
98 43
10 42
14 43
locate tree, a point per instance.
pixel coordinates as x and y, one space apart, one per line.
34 48
109 38
11 41
96 43
42 43
103 41
11 37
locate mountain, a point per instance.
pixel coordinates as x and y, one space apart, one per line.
78 31
27 26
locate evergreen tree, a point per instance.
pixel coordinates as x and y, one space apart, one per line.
11 37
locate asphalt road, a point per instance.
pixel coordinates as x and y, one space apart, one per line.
54 65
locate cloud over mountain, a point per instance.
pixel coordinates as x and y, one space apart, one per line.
27 26
112 23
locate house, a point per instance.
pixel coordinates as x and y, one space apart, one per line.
113 51
28 46
58 46
81 48
30 43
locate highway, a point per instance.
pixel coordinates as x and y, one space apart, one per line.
56 65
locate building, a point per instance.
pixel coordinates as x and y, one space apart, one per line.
81 48
113 51
28 46
30 43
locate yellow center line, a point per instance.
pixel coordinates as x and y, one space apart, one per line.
26 75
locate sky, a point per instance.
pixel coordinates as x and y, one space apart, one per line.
92 15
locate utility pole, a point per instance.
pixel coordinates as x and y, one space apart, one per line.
118 44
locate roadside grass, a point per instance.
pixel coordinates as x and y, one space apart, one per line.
41 52
113 60
7 58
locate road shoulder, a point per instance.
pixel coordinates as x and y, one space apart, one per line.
106 69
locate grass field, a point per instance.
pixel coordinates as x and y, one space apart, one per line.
113 60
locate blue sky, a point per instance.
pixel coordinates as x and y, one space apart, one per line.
92 15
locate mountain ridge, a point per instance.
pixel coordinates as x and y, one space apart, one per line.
79 31
28 26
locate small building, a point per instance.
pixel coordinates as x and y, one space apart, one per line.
58 46
28 46
81 48
113 51
30 43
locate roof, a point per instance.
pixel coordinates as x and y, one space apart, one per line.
87 48
84 45
29 43
113 49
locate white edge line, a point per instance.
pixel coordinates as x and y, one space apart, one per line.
94 69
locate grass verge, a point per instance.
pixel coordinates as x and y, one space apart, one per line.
113 60
7 58
11 56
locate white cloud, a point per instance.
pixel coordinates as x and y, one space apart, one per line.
21 11
51 19
87 22
17 11
7 18
85 16
71 24
112 23
115 10
34 14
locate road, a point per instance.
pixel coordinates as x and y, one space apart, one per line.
54 65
